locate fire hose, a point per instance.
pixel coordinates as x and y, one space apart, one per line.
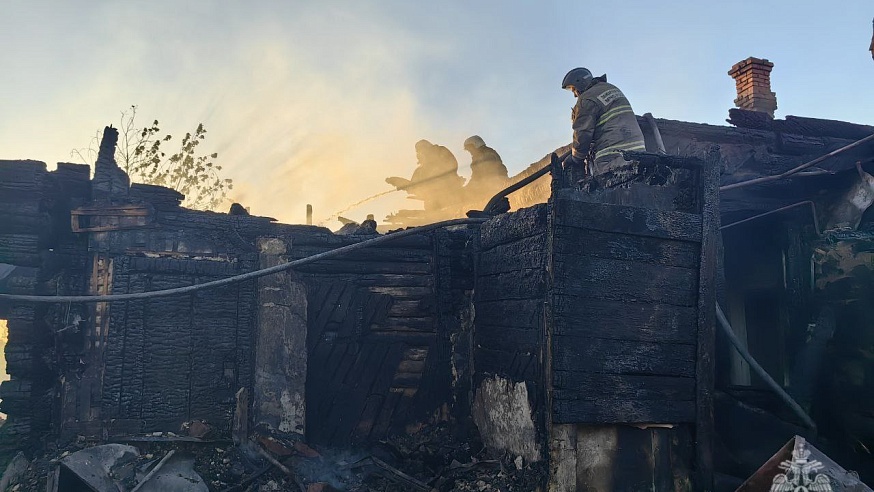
760 371
244 276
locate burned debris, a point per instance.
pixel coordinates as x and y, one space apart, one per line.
571 344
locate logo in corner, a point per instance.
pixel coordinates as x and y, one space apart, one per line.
800 474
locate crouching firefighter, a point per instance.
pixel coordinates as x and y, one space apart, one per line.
603 122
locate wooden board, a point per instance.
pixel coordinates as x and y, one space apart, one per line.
627 220
507 228
622 356
578 240
622 411
522 284
567 386
623 320
620 280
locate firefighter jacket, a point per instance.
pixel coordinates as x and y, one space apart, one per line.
603 120
435 180
488 175
486 166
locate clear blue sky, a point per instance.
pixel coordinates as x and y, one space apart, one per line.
317 102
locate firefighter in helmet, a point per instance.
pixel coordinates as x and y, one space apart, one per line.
488 174
603 122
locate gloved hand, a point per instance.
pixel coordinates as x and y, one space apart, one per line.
572 161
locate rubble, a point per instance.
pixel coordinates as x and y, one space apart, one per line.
431 460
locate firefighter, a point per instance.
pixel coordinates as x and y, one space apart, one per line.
603 122
488 174
435 180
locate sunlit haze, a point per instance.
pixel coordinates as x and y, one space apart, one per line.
318 102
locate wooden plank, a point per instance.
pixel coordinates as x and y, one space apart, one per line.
12 222
323 308
19 249
341 310
623 320
411 338
610 411
527 252
401 293
504 363
351 391
621 280
416 308
622 357
368 280
170 263
386 414
372 406
120 210
491 264
628 220
576 385
510 227
523 284
705 364
573 240
508 339
357 267
369 254
425 324
527 313
380 389
321 237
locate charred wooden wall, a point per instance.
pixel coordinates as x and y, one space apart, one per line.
624 313
384 325
173 359
388 328
511 282
380 323
149 365
630 331
38 255
509 295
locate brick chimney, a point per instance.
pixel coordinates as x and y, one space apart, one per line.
753 79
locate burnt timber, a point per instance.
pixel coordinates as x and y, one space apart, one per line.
584 315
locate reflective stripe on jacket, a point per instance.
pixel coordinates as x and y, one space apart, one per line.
603 119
